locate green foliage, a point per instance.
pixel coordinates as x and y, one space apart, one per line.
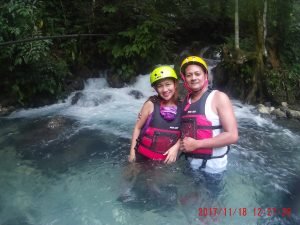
246 43
45 79
32 52
291 47
143 41
284 84
29 68
19 20
109 9
246 73
142 34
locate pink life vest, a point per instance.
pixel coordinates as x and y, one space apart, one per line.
159 136
195 124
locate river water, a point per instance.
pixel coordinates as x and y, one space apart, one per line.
73 173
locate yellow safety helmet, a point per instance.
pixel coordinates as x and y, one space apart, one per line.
161 73
191 60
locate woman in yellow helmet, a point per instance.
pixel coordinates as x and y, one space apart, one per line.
158 127
208 123
155 137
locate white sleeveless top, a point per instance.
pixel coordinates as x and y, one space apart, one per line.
213 165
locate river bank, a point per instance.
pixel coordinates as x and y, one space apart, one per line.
285 111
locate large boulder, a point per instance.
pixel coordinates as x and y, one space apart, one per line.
4 111
293 114
263 109
220 78
279 114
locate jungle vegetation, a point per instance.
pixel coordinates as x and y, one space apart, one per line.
46 45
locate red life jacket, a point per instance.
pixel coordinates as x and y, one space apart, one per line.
195 124
159 136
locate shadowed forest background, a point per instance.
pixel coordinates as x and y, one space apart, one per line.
48 48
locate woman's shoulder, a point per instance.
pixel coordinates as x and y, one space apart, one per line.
149 103
154 99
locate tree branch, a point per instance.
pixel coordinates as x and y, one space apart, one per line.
52 37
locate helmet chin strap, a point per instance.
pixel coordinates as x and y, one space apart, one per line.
185 84
187 87
203 86
190 91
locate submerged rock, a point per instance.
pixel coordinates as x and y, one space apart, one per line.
136 94
56 122
83 100
42 132
76 97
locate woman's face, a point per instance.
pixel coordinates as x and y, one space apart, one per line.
166 89
195 77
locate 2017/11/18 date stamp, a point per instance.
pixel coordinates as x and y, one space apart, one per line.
256 212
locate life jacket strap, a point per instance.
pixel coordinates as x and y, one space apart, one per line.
209 127
203 165
138 140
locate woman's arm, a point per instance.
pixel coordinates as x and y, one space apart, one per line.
146 110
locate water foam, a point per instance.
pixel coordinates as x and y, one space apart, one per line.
115 109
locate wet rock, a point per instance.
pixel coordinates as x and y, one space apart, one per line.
42 132
284 104
284 109
293 114
114 80
76 97
73 85
104 99
84 100
279 114
268 104
220 78
117 78
56 122
4 111
263 109
136 94
282 112
211 52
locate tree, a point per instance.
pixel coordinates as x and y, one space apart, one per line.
236 25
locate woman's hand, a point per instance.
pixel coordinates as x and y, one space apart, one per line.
131 157
172 153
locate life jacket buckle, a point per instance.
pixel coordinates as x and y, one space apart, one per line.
203 165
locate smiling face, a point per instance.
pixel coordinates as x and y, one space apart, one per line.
166 89
196 77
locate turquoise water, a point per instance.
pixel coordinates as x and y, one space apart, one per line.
73 173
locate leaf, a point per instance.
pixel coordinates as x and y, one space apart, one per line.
109 9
